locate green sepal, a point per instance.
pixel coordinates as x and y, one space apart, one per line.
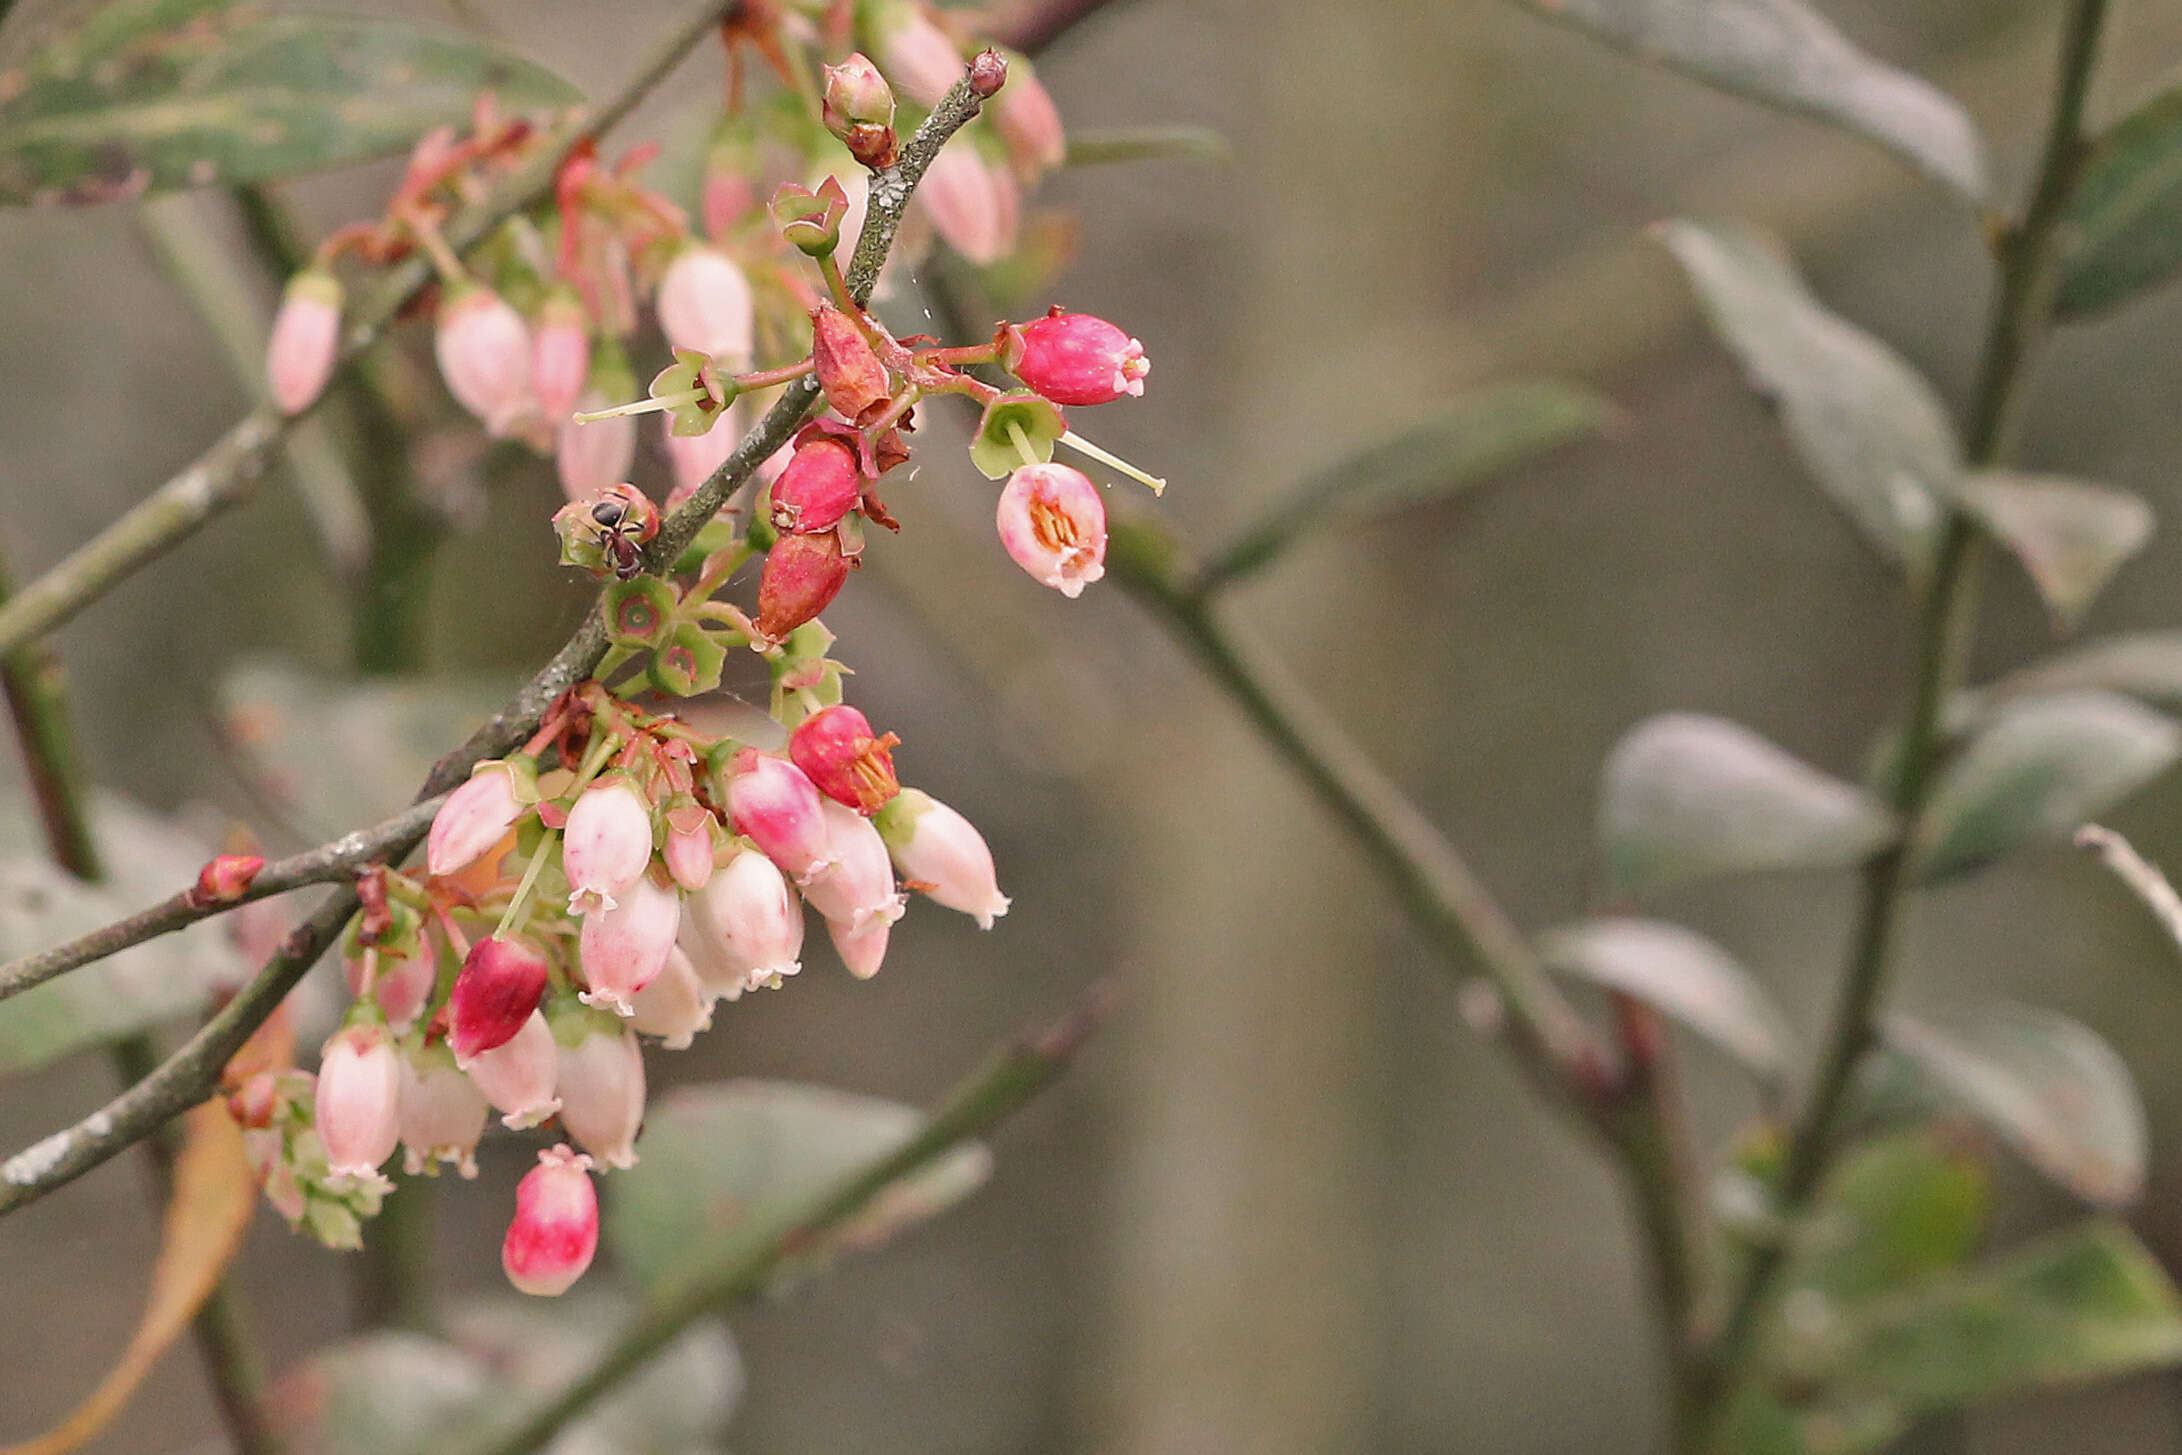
897 822
640 612
688 662
994 450
695 370
713 536
530 834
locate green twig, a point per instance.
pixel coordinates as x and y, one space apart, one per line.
2021 313
745 1262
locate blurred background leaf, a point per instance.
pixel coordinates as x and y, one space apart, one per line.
2123 228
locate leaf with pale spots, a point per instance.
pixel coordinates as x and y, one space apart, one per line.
1681 973
732 1156
2040 768
149 95
1685 796
2047 1085
1785 54
2070 535
1868 427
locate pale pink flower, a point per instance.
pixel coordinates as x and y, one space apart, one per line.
606 844
624 946
518 1077
941 853
858 890
1053 523
442 1113
592 457
676 1005
560 358
472 819
483 347
974 206
555 1231
745 926
357 1104
306 340
777 807
917 56
860 950
704 304
602 1094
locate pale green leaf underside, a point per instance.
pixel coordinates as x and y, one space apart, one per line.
1785 54
1684 975
2070 535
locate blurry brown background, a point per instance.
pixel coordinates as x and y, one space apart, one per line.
1286 1204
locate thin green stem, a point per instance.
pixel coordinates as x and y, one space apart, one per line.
2021 314
745 1262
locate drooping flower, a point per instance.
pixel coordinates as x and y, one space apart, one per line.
442 1113
306 340
519 1076
857 891
676 1005
592 457
688 851
357 1104
972 204
606 844
401 984
941 853
744 928
483 347
777 806
494 995
475 817
555 1231
560 357
602 1090
1053 523
917 56
860 950
705 304
1028 122
624 946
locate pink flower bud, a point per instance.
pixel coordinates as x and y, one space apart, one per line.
484 355
226 878
623 947
676 1005
855 382
401 984
606 845
1029 123
560 357
821 484
855 95
940 853
916 54
602 1093
358 1103
858 891
802 576
443 1113
474 818
494 996
704 304
972 204
744 928
778 808
518 1077
595 456
727 197
555 1231
688 851
306 341
1074 358
860 950
1054 525
838 752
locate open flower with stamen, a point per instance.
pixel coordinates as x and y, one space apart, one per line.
1053 523
837 750
1076 358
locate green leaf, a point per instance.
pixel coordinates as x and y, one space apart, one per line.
1868 427
2040 768
2138 664
1685 796
148 858
1894 1211
2071 536
331 753
1102 146
2087 1305
148 95
1684 975
1785 54
719 1156
1474 439
2048 1086
2122 230
384 1393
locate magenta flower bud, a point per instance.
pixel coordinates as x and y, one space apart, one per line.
915 53
744 928
704 304
858 891
1053 523
358 1103
1074 358
484 353
855 95
624 947
555 1231
602 1092
839 753
821 484
306 340
1028 122
401 984
606 845
676 1005
560 357
972 204
495 994
519 1077
802 576
855 382
860 950
475 817
777 807
226 878
443 1113
940 853
595 456
688 851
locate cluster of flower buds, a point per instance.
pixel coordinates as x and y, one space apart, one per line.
650 874
537 321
